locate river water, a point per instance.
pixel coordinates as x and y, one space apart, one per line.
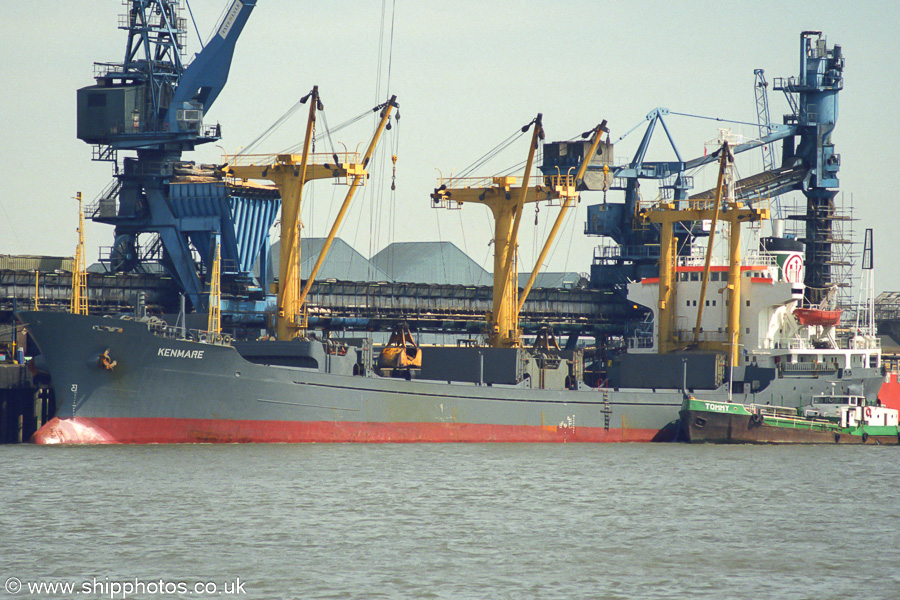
455 521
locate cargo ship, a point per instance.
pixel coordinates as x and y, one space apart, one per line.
141 380
164 388
827 419
132 380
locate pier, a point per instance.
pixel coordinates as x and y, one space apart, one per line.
26 403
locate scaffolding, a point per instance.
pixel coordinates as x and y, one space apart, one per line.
833 244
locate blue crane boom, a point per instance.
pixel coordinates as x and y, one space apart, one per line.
763 118
207 74
808 164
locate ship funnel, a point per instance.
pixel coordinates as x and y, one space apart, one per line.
788 254
778 228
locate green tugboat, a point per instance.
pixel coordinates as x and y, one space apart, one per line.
828 419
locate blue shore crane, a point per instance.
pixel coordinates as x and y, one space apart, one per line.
808 164
153 104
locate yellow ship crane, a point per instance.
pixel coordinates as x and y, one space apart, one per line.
666 214
289 173
507 201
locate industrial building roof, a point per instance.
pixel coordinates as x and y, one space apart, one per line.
430 262
44 264
441 263
343 262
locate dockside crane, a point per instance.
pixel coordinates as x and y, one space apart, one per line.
808 164
153 104
762 117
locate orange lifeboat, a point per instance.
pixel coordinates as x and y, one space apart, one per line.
817 316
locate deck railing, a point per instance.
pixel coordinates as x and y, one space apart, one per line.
164 330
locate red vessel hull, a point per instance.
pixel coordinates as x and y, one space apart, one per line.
80 430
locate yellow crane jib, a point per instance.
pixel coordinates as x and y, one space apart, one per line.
726 157
568 193
506 196
290 173
386 109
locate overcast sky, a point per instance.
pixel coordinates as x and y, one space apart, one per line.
467 75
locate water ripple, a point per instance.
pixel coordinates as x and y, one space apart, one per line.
461 521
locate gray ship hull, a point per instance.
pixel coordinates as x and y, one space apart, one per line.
166 390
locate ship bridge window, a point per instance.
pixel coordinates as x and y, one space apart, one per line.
714 276
695 276
682 277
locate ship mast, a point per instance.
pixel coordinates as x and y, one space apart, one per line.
79 302
214 325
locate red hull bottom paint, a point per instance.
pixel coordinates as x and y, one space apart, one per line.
80 430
